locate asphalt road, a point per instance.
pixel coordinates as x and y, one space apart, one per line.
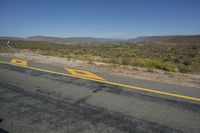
33 101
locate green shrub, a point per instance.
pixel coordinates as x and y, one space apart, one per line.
160 65
170 58
125 61
187 62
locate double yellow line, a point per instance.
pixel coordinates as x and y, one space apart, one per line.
111 83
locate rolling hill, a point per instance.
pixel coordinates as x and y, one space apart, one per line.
147 40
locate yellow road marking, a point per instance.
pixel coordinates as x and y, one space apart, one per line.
112 83
19 62
81 73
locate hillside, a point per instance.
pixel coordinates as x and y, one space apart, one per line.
175 58
68 40
148 40
190 39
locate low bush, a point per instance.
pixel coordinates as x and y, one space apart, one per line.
170 58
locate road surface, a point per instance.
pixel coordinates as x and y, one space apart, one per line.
37 98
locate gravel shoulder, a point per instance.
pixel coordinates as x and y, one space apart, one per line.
187 80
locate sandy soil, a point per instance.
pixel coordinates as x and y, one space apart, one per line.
189 80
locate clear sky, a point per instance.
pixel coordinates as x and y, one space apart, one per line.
99 18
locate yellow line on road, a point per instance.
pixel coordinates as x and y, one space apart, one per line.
81 73
19 62
112 83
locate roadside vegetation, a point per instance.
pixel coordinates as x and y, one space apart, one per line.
174 58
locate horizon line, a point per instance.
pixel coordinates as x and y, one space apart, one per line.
163 35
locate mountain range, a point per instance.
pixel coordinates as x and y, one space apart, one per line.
186 39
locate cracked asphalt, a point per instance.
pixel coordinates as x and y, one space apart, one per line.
35 102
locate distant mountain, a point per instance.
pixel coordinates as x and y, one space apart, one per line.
152 38
11 38
69 40
186 39
146 40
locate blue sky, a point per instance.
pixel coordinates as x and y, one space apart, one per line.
99 18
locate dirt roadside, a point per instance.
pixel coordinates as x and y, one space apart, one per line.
188 80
